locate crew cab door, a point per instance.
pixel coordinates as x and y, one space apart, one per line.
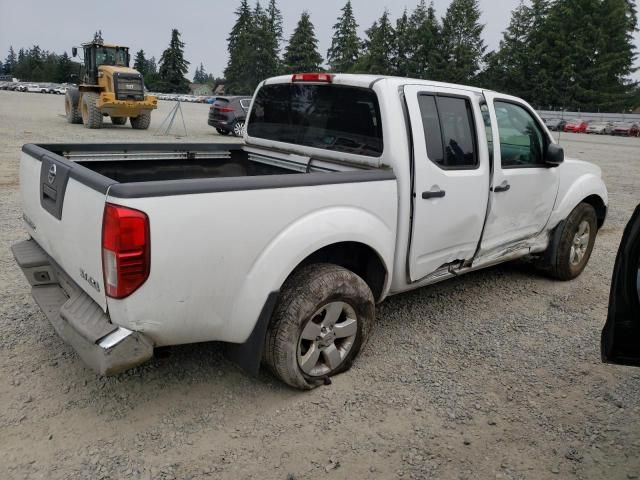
524 187
450 177
621 334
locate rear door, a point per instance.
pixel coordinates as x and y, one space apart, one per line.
524 188
63 205
451 177
621 334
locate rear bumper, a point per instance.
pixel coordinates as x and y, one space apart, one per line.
106 348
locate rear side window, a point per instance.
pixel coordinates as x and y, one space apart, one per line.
331 117
449 131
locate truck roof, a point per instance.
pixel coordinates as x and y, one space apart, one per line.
366 81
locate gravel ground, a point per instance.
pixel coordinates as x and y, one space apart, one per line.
493 375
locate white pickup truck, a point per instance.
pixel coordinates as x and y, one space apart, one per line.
347 189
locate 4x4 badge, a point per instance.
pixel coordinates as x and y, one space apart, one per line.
52 174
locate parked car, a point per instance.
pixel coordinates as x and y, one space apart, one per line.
211 100
626 129
291 238
576 126
20 87
60 90
228 114
620 341
600 128
555 124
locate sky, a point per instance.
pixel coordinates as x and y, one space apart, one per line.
204 24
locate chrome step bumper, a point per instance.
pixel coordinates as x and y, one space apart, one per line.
106 348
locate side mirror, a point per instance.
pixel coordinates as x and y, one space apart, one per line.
74 51
554 156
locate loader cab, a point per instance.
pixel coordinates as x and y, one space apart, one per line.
97 54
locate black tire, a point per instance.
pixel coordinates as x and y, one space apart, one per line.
238 128
222 132
71 110
91 116
302 299
561 263
118 120
142 121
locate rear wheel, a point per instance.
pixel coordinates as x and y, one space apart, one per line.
91 116
71 110
569 256
323 319
238 128
142 121
118 120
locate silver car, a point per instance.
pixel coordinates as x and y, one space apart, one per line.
600 128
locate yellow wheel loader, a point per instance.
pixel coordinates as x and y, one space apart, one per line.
108 88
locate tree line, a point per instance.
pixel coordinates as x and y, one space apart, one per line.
573 54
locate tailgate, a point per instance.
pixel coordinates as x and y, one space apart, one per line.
63 205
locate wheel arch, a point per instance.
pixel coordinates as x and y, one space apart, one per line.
599 206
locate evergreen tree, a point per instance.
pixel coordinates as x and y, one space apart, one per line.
509 69
152 66
403 47
240 50
140 62
173 66
65 68
344 52
424 32
462 44
263 59
10 62
378 48
301 55
275 27
200 76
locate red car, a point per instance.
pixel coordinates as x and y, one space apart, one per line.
576 126
626 129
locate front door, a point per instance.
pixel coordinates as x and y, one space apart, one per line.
621 334
524 188
451 177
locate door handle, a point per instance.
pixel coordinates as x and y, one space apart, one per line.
505 187
436 194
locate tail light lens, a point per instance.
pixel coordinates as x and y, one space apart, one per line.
125 250
224 109
312 77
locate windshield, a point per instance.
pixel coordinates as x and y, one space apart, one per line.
111 56
331 117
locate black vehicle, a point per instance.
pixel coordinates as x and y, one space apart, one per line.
621 335
228 114
555 124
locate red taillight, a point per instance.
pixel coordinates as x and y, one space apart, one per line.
312 77
224 109
125 250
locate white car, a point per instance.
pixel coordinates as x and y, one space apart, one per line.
61 90
35 88
347 189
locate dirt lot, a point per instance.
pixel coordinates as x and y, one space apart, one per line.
493 375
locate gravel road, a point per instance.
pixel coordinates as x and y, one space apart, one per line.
493 375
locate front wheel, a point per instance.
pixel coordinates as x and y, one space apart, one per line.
570 255
142 121
323 319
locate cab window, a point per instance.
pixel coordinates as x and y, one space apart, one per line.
522 142
449 131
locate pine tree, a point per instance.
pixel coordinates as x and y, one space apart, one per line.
173 66
140 62
424 31
378 47
403 47
462 44
509 69
200 75
344 52
10 62
240 50
301 55
64 68
152 66
275 27
263 36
